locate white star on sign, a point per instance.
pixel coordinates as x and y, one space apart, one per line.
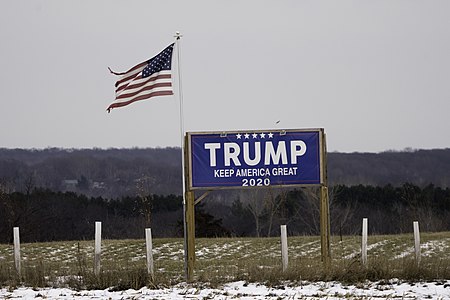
262 135
255 135
270 135
238 136
246 136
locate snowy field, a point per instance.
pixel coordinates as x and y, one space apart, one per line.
217 278
240 290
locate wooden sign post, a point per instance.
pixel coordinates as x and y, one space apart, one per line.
325 229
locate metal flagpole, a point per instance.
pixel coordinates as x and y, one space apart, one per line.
180 96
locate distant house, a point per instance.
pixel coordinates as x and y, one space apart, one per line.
98 185
69 184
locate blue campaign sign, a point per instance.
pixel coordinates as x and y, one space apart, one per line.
255 158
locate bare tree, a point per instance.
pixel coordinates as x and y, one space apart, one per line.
7 212
252 200
311 210
272 205
340 215
30 182
264 205
144 187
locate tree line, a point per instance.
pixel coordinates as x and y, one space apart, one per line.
390 210
45 215
106 173
113 173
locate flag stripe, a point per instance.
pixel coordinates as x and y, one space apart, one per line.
145 88
129 76
148 79
143 94
143 97
139 81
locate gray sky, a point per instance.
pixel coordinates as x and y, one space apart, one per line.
374 74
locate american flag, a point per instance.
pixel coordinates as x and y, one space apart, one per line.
148 79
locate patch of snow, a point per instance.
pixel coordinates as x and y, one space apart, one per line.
245 291
369 247
405 253
313 247
433 247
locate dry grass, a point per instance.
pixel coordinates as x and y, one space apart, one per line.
225 259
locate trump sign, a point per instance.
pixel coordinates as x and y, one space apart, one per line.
255 158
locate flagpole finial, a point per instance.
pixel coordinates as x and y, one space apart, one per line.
177 35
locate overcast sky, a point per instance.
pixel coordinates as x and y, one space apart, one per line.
374 74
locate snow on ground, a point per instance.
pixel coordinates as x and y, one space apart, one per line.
241 290
369 247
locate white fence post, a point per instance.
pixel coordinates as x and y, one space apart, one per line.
148 242
98 247
17 249
364 242
284 247
417 241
